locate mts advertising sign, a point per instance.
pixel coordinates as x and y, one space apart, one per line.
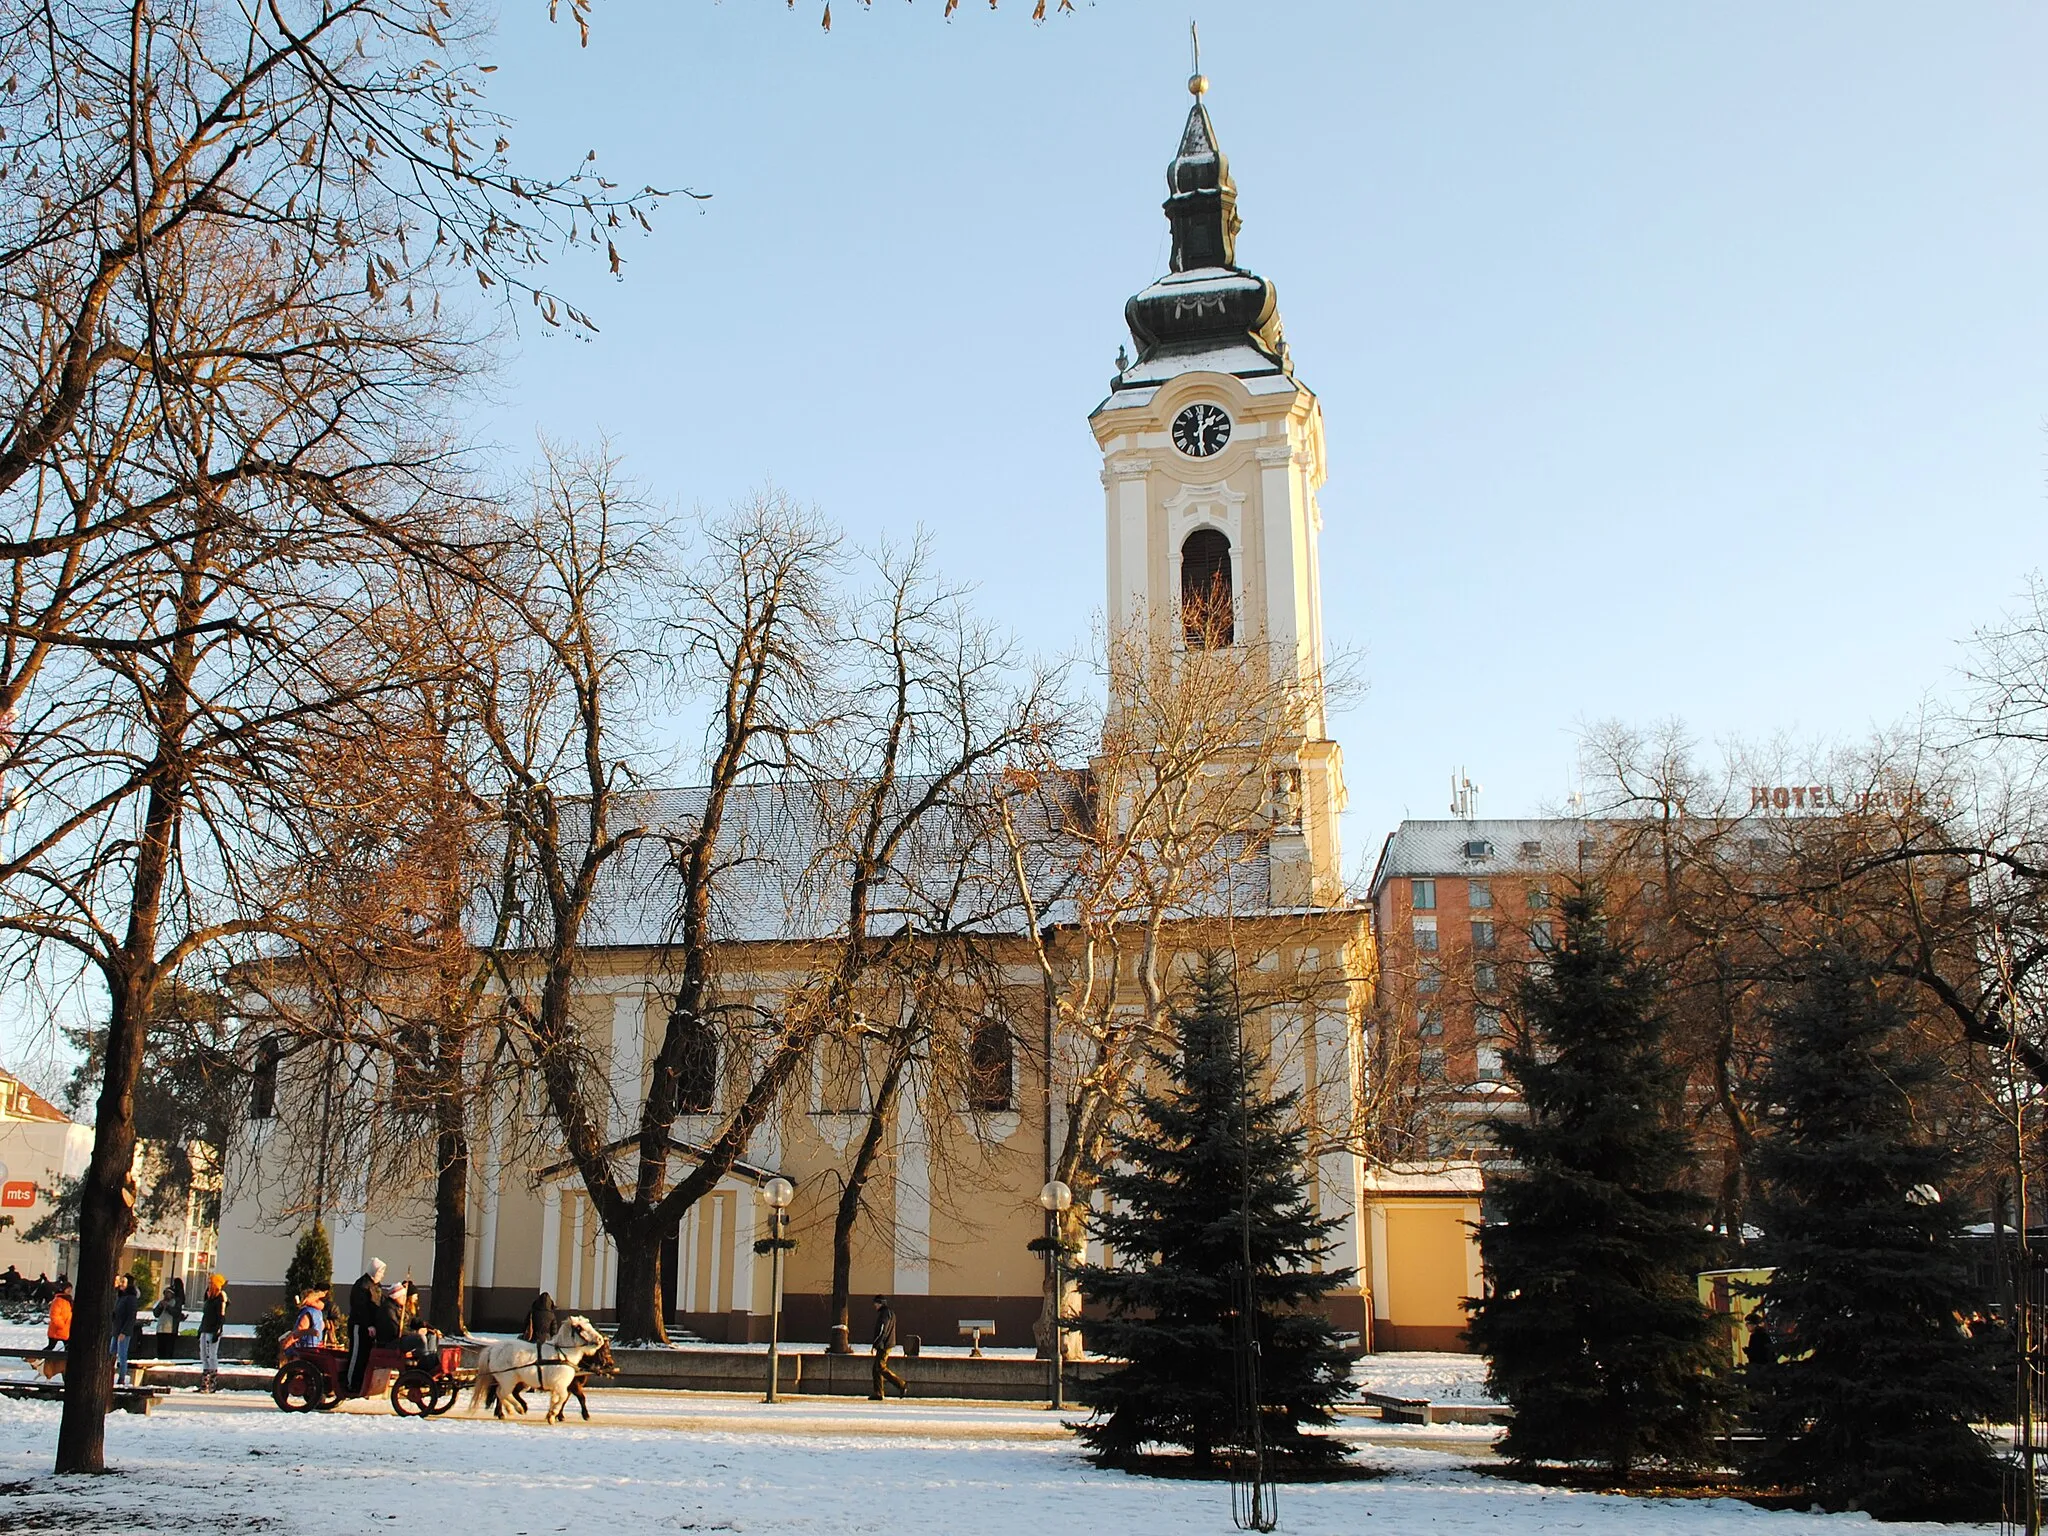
17 1195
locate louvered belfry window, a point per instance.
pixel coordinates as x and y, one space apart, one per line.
1207 611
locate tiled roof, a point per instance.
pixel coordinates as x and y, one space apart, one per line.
1510 847
781 882
18 1101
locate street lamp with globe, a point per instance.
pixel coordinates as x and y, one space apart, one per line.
1056 1199
776 1195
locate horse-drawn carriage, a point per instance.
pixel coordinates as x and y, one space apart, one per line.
424 1373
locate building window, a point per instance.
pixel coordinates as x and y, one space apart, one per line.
1532 850
1429 1023
1484 977
991 1065
1478 894
1479 848
1487 1062
1206 609
844 1090
263 1079
1428 979
1482 936
1433 1063
1539 898
1486 1023
1541 936
1425 934
696 1067
1422 895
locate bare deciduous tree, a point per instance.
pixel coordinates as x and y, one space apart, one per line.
225 233
905 780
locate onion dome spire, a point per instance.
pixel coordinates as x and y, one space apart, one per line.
1207 311
1201 201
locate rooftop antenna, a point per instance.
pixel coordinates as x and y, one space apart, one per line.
1198 83
1464 796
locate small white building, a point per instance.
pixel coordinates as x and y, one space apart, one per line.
40 1148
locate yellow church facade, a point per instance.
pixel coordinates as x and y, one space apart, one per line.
1212 458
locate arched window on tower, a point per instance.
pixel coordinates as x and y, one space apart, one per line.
696 1068
1208 616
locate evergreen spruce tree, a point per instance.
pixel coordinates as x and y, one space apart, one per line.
1200 1154
312 1264
1592 1325
1870 1400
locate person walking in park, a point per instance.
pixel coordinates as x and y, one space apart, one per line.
170 1316
213 1322
57 1332
365 1297
127 1314
885 1340
540 1319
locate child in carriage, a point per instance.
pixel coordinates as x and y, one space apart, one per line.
309 1327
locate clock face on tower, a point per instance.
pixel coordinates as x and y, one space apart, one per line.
1201 430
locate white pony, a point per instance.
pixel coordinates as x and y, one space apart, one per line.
515 1363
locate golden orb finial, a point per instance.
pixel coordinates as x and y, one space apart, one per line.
1198 85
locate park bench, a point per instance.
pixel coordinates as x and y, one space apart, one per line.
1398 1410
127 1399
974 1328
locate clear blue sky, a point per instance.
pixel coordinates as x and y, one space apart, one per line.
1676 361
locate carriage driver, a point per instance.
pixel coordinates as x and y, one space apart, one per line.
365 1299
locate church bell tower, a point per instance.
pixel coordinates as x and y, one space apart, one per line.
1212 455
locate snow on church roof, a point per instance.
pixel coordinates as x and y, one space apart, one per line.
783 881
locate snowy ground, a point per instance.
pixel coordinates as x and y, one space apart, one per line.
35 1335
658 1461
1441 1378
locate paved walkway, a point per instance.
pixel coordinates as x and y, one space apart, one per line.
825 1417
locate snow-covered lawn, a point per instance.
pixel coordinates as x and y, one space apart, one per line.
34 1334
1442 1378
656 1462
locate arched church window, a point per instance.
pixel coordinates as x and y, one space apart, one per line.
843 1085
696 1067
991 1065
1208 616
263 1079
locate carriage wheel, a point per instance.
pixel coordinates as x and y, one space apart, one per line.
299 1386
446 1390
412 1394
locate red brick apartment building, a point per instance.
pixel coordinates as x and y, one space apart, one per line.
1460 908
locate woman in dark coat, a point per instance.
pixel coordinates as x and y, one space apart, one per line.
170 1313
127 1309
540 1319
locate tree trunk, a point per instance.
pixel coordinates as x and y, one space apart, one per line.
639 1297
857 1176
451 1220
106 1215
